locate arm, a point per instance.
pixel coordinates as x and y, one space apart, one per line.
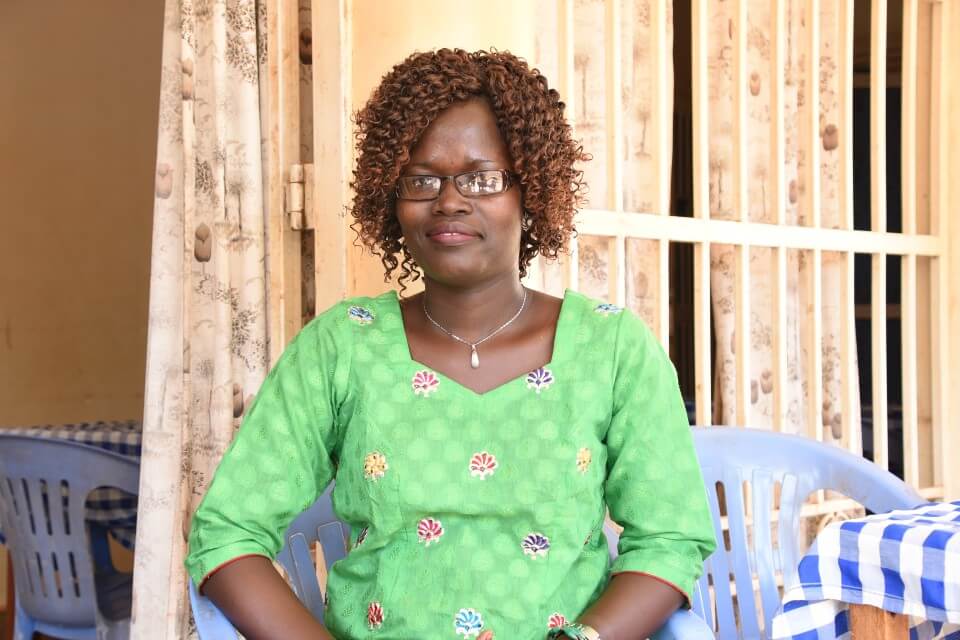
654 489
278 463
633 605
258 601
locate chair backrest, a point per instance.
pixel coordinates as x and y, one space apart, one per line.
316 524
750 467
44 484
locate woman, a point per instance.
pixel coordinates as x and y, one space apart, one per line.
477 430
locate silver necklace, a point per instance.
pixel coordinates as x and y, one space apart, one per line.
474 357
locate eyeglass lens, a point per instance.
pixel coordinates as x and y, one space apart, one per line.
473 183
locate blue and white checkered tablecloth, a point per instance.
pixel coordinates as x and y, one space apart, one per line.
904 561
114 509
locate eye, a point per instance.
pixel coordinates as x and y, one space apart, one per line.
476 182
421 182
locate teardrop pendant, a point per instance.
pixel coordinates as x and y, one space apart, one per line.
474 358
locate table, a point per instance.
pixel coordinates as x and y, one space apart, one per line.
903 562
111 508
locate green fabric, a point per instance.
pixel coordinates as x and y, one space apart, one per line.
452 543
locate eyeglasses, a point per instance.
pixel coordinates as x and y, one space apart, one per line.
472 184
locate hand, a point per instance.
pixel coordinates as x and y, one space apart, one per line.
486 635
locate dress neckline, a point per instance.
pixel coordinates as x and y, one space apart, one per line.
560 341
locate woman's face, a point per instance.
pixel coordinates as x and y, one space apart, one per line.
459 240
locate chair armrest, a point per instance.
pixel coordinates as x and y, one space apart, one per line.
211 623
684 624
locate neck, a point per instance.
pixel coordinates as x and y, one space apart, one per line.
473 311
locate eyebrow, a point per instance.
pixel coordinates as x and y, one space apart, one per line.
471 162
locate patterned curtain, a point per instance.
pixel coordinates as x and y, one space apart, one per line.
639 160
760 209
207 341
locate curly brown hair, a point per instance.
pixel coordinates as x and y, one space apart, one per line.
529 116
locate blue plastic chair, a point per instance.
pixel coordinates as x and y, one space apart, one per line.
316 524
732 458
66 585
320 524
728 456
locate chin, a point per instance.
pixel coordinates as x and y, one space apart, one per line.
456 273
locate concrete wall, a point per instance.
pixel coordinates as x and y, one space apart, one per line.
78 113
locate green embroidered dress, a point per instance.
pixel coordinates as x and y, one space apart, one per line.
468 511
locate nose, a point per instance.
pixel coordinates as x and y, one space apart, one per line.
449 202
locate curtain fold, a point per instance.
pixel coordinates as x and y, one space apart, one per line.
207 340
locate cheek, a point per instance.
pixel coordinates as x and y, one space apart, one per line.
508 218
407 217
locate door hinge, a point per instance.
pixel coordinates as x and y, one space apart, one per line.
299 196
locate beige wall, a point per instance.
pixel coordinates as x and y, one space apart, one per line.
78 112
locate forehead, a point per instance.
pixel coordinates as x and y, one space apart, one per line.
464 132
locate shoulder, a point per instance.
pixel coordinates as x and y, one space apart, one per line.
353 313
606 321
616 334
337 329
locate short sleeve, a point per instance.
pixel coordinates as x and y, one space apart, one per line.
279 462
654 487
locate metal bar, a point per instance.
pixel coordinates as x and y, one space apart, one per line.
701 209
741 199
701 92
701 332
908 346
878 214
878 115
780 292
939 278
571 273
663 293
878 339
618 279
814 331
909 280
679 229
614 95
742 334
778 63
850 389
663 125
812 113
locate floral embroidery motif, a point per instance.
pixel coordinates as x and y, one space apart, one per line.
375 465
539 380
360 315
536 545
468 623
483 464
425 382
429 530
556 621
374 615
361 536
607 309
584 458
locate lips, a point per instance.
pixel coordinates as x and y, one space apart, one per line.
452 233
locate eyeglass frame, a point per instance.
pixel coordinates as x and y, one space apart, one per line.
508 181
